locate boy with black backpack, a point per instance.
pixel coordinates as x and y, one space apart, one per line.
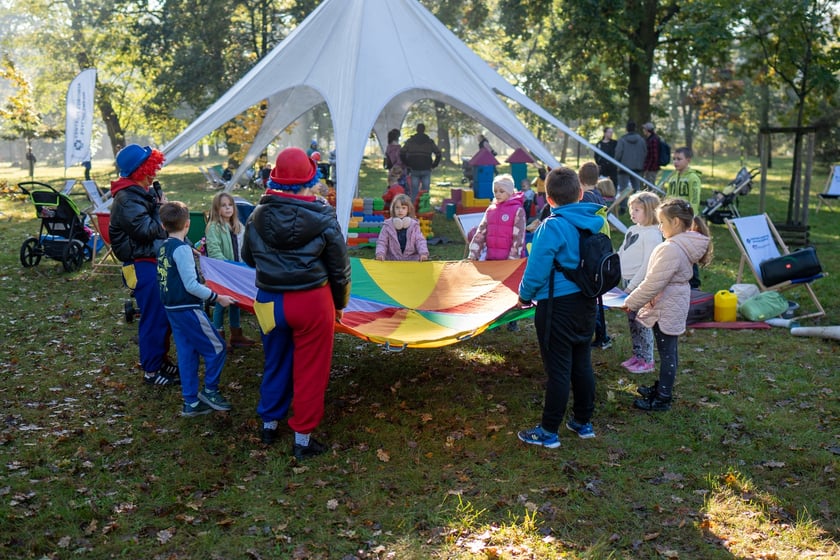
565 317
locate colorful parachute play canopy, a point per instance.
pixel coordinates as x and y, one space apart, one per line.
407 304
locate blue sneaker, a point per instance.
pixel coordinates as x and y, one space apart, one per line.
584 431
197 408
214 400
538 436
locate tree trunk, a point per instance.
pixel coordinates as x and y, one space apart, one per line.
640 67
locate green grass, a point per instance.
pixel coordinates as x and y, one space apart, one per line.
424 460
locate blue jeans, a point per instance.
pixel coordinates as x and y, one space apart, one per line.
565 326
219 317
420 180
196 338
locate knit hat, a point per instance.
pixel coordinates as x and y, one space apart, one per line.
648 126
505 181
293 171
131 157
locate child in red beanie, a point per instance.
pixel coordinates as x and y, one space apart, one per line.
294 241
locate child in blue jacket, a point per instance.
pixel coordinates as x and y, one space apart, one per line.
564 318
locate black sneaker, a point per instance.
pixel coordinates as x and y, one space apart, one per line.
314 448
655 403
647 391
158 378
602 344
268 435
170 370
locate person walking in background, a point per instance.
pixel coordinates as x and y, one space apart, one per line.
223 236
630 151
393 161
294 241
607 144
420 155
184 297
136 235
564 318
31 159
651 166
662 300
639 241
401 238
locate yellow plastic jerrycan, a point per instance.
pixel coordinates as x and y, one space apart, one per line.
726 306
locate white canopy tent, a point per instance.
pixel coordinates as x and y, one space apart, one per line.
369 60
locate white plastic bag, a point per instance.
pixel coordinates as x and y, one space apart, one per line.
744 291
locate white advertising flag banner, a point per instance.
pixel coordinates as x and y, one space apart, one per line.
79 118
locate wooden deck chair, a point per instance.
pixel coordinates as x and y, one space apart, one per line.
467 223
68 186
198 223
105 260
98 201
759 240
832 189
620 196
213 180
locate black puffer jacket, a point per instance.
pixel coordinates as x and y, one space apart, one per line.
135 228
295 243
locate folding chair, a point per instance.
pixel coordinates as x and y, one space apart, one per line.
106 259
198 223
466 224
832 189
98 202
68 186
758 240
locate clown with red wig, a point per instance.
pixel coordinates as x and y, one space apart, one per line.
136 235
294 241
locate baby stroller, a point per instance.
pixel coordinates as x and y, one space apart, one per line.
724 204
62 236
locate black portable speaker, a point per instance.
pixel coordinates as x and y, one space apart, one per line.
802 263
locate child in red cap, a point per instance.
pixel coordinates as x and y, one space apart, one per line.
294 241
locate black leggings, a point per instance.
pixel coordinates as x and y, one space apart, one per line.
666 344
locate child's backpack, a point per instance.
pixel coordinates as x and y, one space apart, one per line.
599 269
664 153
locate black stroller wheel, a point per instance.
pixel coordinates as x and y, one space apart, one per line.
30 253
74 255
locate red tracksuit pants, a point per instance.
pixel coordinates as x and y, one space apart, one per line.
298 356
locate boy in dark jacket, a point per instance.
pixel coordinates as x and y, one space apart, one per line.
303 282
136 235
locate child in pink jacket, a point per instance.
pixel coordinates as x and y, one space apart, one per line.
501 233
401 238
662 300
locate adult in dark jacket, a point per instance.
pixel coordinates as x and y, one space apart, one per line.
651 167
607 145
630 151
420 154
294 241
136 235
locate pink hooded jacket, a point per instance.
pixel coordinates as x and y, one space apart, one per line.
664 295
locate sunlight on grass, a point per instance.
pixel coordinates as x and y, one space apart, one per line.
751 523
481 356
468 538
